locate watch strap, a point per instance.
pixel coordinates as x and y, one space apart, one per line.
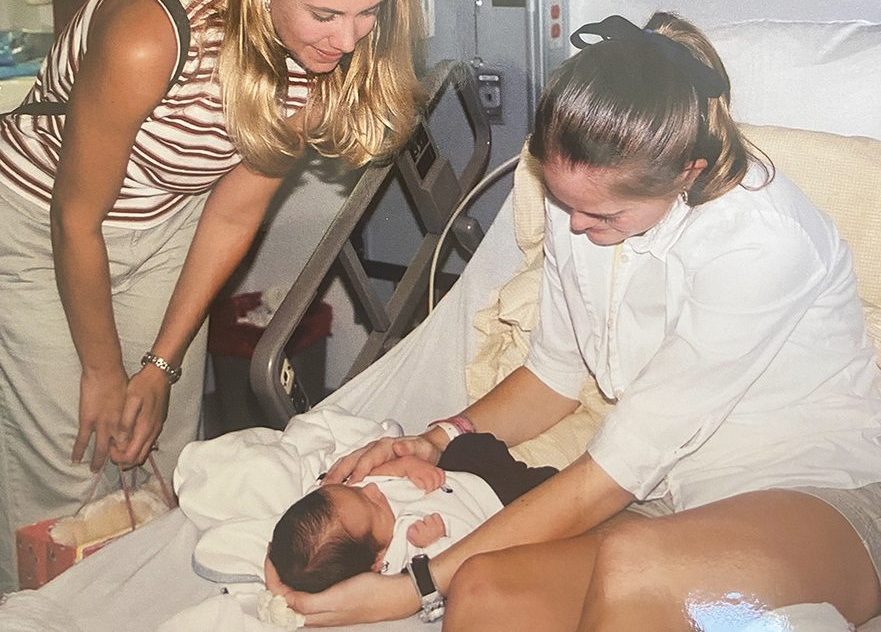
432 600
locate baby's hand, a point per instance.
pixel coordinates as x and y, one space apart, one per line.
426 531
423 474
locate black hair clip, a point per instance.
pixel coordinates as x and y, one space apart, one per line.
707 82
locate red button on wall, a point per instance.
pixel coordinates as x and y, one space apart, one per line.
555 31
555 11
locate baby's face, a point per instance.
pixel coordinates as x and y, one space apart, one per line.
363 510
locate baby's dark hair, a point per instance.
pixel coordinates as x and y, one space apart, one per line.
310 549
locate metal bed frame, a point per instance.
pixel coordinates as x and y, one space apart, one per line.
434 190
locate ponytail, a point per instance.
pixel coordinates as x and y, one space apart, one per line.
647 103
735 152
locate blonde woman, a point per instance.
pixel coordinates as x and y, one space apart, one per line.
740 471
123 217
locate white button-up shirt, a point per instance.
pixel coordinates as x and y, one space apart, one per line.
732 338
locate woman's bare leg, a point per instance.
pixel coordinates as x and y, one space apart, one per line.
531 587
731 558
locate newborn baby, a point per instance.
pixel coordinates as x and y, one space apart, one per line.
407 506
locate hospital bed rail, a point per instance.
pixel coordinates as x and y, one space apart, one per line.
434 189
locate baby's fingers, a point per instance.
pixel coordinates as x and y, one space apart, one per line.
340 470
434 520
430 478
415 535
439 477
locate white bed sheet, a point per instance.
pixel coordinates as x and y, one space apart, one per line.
143 579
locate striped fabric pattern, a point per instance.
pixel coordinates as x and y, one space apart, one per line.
181 150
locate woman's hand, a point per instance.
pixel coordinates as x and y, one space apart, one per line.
102 397
365 598
356 465
423 474
353 467
146 406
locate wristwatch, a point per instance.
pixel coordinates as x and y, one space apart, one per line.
432 600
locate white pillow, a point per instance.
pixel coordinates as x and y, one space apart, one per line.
823 76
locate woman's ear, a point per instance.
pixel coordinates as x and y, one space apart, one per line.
691 172
377 566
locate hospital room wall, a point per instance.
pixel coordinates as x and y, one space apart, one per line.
707 13
26 14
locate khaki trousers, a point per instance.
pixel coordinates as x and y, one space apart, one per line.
40 370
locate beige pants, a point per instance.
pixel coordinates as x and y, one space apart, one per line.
40 371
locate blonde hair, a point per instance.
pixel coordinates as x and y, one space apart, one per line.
621 104
363 110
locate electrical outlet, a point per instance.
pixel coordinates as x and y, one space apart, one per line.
489 89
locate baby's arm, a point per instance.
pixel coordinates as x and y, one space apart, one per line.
423 474
426 531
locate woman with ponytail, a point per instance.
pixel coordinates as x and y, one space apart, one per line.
132 182
739 471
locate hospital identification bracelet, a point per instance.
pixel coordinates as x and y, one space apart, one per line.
173 374
454 426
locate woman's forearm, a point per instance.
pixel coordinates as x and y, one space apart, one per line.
229 221
83 278
520 407
572 502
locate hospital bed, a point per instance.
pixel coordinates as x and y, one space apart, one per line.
789 75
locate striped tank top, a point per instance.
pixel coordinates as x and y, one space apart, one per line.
182 149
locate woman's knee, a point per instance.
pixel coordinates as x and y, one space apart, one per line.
629 564
474 586
547 582
633 583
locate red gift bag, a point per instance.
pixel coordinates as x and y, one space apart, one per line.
49 547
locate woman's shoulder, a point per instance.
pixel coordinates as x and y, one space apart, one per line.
135 31
762 215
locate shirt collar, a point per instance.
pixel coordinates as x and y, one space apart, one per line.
658 240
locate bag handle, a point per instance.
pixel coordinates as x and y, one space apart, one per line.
181 23
129 487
